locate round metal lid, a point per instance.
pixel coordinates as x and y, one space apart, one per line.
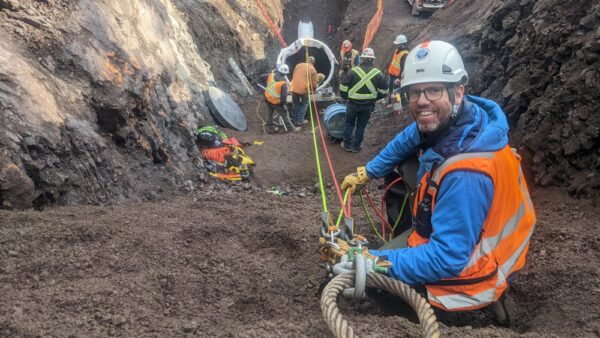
224 109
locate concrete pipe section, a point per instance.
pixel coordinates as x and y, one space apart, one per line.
324 59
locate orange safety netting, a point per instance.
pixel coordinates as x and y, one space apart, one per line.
271 23
373 25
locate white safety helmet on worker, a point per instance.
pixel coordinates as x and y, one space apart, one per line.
433 61
400 39
283 68
367 53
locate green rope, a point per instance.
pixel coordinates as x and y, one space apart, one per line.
342 210
312 122
362 198
400 214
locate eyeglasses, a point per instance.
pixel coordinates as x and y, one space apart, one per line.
431 94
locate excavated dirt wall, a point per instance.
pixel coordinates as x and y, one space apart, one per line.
107 95
540 60
99 100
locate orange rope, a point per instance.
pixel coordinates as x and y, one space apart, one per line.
373 25
271 23
217 154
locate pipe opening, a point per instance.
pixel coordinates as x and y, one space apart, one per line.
322 61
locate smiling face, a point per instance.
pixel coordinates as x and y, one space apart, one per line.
430 105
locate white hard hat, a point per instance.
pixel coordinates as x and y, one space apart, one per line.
283 68
434 61
367 53
400 39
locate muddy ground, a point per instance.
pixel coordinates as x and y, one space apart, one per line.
234 260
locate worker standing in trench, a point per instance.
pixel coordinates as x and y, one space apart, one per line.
299 88
397 64
363 85
349 57
472 214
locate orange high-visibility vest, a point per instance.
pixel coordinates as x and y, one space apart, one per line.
394 68
347 58
505 236
273 90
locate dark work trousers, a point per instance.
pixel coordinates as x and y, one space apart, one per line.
399 194
283 112
299 107
357 116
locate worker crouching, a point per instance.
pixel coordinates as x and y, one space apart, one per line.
276 92
472 214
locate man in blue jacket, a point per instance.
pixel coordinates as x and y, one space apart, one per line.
454 206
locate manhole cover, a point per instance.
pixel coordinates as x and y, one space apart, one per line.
224 109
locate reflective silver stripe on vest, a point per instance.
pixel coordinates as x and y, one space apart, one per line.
365 79
523 189
343 88
451 302
488 244
453 159
507 267
271 88
397 58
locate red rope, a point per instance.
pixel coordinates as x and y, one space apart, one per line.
383 200
384 221
316 117
271 23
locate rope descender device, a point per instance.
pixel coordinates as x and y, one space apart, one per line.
335 243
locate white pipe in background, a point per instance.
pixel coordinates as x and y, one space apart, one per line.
306 38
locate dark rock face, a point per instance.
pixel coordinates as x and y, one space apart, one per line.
100 100
540 61
549 53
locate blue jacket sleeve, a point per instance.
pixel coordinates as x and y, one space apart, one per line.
403 146
461 207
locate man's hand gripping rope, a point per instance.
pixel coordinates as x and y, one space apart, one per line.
356 181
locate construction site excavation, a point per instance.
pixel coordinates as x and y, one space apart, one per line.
180 168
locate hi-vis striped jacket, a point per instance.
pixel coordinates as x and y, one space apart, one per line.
363 84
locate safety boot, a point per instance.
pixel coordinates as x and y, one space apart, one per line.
498 310
345 148
271 129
